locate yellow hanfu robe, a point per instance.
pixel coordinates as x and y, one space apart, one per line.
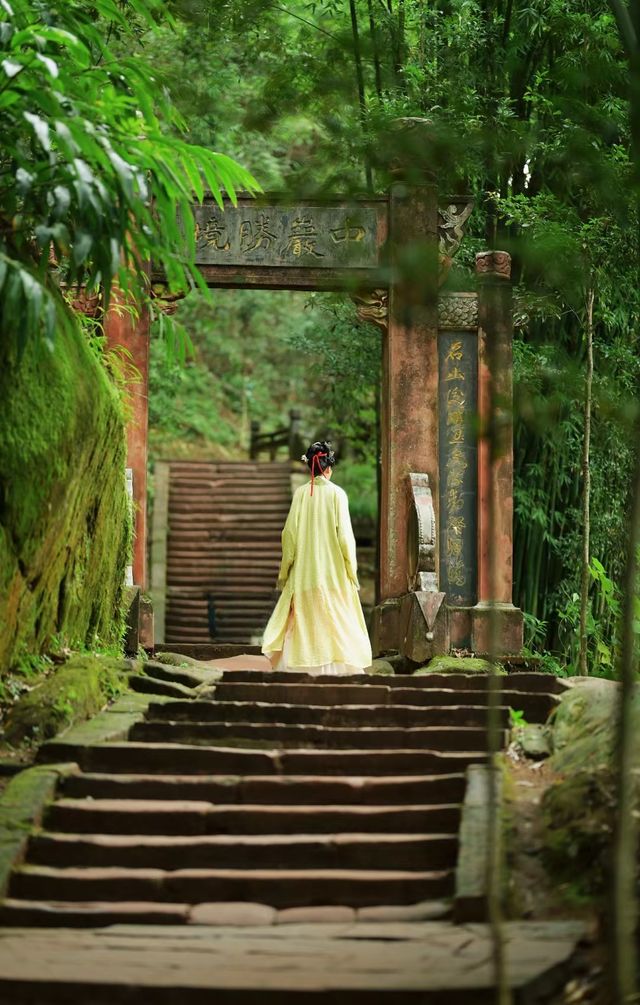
318 624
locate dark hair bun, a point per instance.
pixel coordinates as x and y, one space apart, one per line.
326 458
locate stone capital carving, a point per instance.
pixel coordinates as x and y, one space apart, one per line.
165 301
421 535
493 264
458 311
373 306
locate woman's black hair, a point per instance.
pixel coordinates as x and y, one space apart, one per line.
320 447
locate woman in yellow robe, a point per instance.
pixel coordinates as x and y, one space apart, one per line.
318 626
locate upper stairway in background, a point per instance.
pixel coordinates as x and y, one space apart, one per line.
223 523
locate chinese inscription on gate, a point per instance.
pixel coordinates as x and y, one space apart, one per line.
303 236
458 487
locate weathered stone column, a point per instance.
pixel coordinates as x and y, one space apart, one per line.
409 428
495 461
132 333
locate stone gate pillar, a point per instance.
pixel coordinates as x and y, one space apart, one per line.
408 415
409 434
496 624
132 333
447 499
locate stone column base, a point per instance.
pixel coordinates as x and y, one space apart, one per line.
509 634
385 627
416 625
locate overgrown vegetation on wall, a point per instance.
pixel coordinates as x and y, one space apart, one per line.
65 524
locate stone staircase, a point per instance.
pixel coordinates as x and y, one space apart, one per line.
223 548
278 793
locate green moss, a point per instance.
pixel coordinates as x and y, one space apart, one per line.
381 668
65 525
578 814
585 725
79 689
459 664
175 660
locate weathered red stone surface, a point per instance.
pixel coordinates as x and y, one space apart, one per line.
124 330
409 432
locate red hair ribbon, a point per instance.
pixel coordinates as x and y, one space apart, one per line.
314 459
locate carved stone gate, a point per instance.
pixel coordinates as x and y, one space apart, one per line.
439 483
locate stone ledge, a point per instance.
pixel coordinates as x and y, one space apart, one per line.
470 900
21 808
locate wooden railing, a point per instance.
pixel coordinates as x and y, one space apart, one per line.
288 436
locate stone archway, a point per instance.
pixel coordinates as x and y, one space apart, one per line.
390 254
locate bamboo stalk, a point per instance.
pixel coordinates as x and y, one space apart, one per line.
583 668
357 58
624 921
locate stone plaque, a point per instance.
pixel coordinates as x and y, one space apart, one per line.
287 236
458 405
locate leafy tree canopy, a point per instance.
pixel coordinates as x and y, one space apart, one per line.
94 169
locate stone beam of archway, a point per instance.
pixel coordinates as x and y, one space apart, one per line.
311 245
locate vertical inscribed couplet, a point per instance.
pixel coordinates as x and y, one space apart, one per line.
458 405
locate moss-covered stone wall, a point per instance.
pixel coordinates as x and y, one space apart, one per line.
65 525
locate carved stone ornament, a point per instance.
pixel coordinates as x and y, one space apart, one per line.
458 311
451 220
494 263
421 536
373 306
164 301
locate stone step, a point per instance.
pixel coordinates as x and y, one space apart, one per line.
264 789
209 650
272 851
279 888
278 735
143 684
322 715
376 691
515 681
189 817
86 914
186 759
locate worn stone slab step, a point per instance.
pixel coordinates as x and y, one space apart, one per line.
536 707
272 851
318 737
516 681
61 914
150 816
227 915
188 759
322 715
264 789
277 887
142 684
209 650
432 963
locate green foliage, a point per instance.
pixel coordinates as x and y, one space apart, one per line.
89 167
600 630
65 521
516 718
256 356
243 369
76 691
359 480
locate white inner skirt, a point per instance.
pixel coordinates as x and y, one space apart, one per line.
326 670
